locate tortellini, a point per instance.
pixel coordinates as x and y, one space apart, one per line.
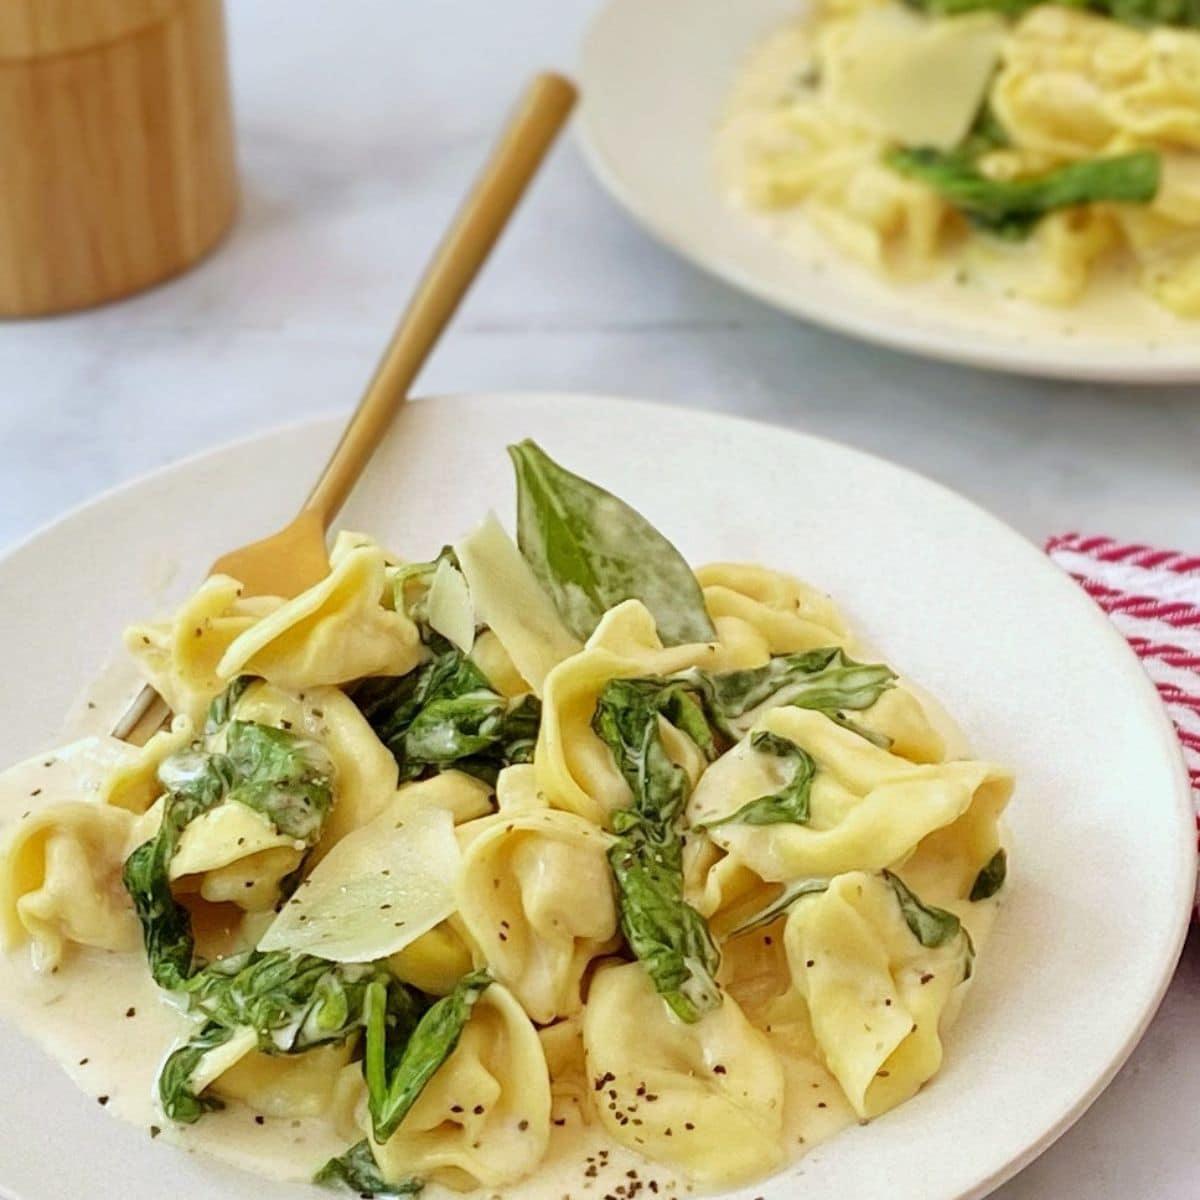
483 1120
294 1085
134 785
535 895
876 996
869 807
180 656
706 1097
788 614
60 881
337 631
574 768
233 853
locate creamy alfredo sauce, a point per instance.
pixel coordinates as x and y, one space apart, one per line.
103 1019
980 284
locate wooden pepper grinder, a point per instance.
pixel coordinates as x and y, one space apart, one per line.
116 147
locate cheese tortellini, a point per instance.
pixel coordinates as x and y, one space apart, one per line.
536 897
869 807
484 1118
60 881
706 1096
876 996
822 106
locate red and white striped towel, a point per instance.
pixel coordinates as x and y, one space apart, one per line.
1153 598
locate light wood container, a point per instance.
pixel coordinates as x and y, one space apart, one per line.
116 147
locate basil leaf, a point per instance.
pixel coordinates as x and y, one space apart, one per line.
357 1171
445 715
591 551
824 680
396 1077
991 879
664 932
788 805
782 903
179 1102
1010 208
932 927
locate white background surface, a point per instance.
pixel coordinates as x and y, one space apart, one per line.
360 124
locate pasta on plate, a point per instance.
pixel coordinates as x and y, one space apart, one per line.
1036 145
546 861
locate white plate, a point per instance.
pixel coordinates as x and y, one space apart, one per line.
655 76
1101 825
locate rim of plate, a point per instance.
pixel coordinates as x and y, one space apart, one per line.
1134 676
965 346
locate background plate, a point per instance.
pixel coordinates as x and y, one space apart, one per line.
1102 870
655 76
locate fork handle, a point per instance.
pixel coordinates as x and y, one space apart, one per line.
540 114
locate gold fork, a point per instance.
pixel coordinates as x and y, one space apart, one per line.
295 558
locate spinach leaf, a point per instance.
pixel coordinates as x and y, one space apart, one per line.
282 776
590 551
220 711
824 680
445 714
782 903
1010 208
664 932
788 805
932 927
294 1002
1185 13
286 1004
397 1070
357 1171
175 1090
197 782
991 878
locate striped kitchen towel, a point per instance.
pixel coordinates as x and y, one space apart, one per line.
1153 598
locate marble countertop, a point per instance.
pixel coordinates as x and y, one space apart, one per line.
359 128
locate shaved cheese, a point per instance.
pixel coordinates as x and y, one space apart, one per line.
223 835
450 609
376 891
510 601
219 1059
917 80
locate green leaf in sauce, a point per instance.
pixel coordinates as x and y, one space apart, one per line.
788 805
357 1171
824 680
1010 208
665 933
445 715
397 1069
782 903
286 778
